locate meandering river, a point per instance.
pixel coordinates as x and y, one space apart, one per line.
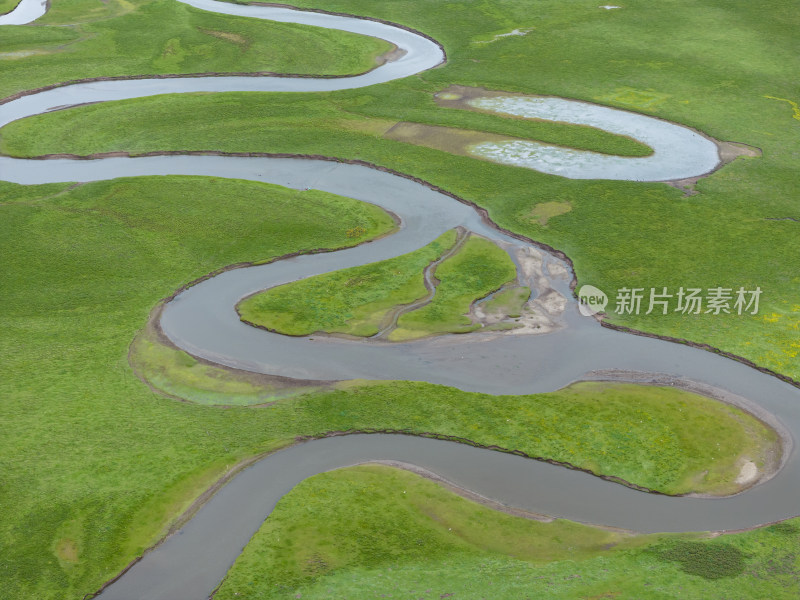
202 320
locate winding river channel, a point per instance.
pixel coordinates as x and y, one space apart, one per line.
203 321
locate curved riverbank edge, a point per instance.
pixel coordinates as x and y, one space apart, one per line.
467 495
784 441
188 513
483 212
485 217
700 346
8 12
153 322
393 314
573 285
349 16
474 496
518 512
69 82
727 151
153 328
431 283
776 456
572 467
389 56
243 265
23 5
230 473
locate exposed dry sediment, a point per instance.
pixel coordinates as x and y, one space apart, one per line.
543 312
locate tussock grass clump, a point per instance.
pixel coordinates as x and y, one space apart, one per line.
707 560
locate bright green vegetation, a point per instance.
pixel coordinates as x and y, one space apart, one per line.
182 376
722 61
361 300
352 117
509 302
6 6
478 268
82 269
356 301
660 438
372 531
94 464
85 38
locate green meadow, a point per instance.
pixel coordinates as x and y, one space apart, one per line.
376 532
356 301
728 70
78 39
182 376
659 438
361 301
95 465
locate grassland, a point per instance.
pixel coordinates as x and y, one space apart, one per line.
362 300
477 269
640 434
372 531
81 39
6 6
508 302
716 73
660 438
343 116
355 301
179 375
95 465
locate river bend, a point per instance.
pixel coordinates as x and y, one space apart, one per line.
202 320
